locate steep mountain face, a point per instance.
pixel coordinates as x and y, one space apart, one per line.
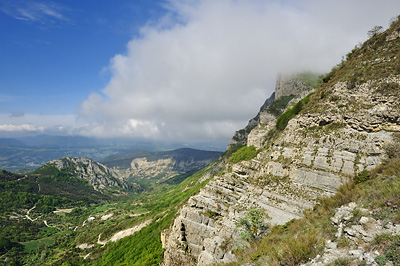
97 175
340 132
160 166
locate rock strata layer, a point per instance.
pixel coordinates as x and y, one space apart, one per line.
342 131
311 158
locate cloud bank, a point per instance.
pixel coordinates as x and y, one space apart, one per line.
204 69
19 124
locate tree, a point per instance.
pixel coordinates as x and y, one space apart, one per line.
253 224
5 244
375 31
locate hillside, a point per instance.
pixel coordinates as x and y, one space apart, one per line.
98 176
70 205
160 167
292 160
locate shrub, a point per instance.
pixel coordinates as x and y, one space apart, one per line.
374 31
253 224
393 149
362 177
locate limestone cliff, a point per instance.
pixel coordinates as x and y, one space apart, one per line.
97 175
340 132
166 166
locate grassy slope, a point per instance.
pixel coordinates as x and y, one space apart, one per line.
144 247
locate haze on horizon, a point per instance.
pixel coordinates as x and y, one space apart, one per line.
187 70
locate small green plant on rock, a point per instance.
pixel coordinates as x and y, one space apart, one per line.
390 245
361 177
253 225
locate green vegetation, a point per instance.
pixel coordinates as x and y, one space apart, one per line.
367 62
243 154
361 177
277 107
32 242
144 247
375 31
253 224
228 153
311 79
389 247
283 120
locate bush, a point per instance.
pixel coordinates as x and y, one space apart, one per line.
253 224
374 31
5 244
362 177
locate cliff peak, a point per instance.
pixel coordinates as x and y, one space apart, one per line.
305 150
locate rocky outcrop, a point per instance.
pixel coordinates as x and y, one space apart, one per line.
161 166
284 180
240 136
311 158
290 85
96 174
359 232
342 131
161 169
286 85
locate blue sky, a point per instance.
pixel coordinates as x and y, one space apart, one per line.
54 52
190 70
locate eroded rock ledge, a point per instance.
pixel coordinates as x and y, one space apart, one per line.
316 153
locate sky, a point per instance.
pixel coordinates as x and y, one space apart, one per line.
182 70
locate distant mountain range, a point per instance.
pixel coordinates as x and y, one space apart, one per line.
83 179
27 153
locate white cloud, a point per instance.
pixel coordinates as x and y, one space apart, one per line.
34 11
23 127
33 123
205 69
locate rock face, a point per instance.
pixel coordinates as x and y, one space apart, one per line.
162 166
240 136
290 85
340 133
98 175
359 232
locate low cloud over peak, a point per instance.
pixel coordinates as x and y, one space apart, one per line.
205 69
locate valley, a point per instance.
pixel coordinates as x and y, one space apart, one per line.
313 179
73 209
